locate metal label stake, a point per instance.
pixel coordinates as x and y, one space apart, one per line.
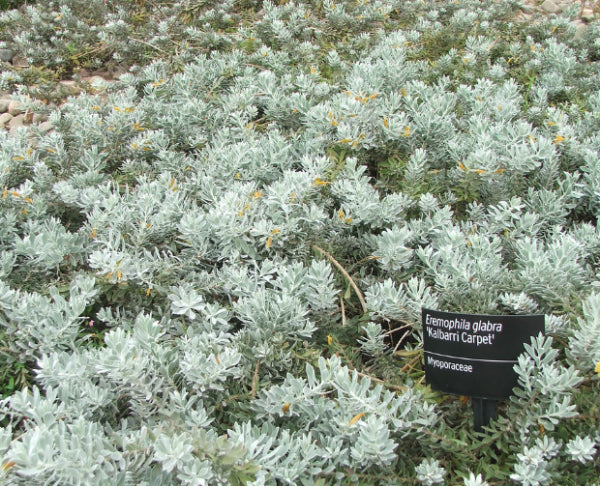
484 410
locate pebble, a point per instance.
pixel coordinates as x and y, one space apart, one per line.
45 127
587 15
6 55
16 122
15 107
581 30
4 119
4 105
550 7
20 62
38 118
70 88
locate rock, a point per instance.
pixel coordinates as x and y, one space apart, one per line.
524 16
45 127
4 119
20 62
526 8
39 118
581 29
15 107
68 88
6 55
15 123
82 72
587 15
550 7
4 105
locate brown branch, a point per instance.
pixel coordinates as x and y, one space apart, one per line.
384 383
343 309
255 380
347 275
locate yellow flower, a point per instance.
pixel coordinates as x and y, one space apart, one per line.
356 418
558 139
597 369
320 182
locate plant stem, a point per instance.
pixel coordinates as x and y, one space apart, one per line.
347 275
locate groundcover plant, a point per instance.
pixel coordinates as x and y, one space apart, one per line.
213 267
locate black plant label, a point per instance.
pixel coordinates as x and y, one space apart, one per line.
473 354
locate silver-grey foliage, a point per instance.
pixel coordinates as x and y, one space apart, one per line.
204 264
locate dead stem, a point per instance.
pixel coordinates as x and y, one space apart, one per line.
254 389
347 275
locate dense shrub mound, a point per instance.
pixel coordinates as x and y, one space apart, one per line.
212 269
